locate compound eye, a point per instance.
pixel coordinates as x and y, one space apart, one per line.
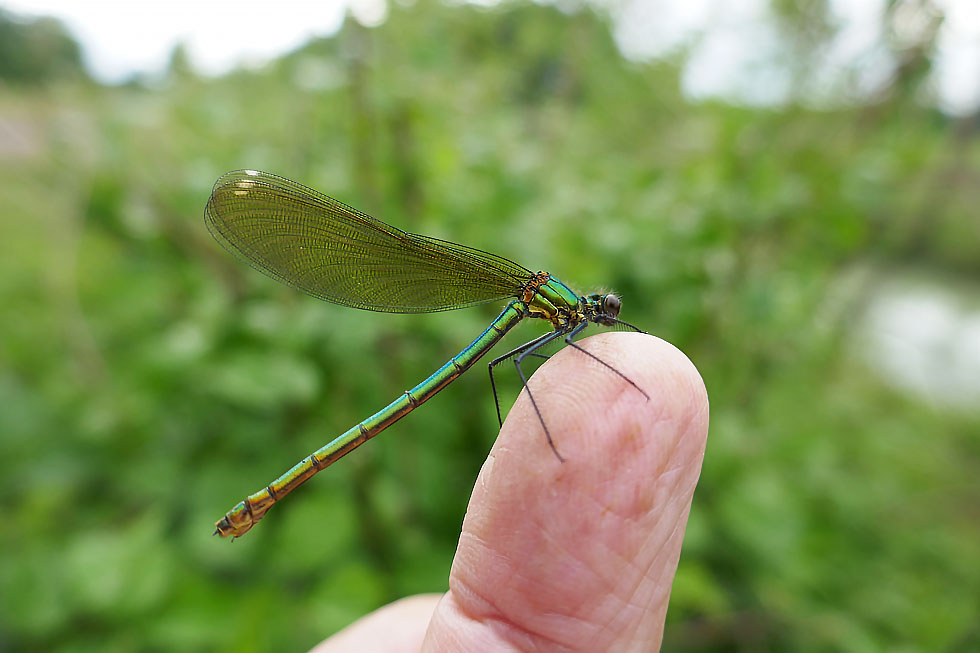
611 305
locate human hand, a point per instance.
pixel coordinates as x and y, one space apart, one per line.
577 555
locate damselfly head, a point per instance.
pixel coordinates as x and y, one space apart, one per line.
607 308
611 305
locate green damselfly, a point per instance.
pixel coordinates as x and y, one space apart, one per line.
329 250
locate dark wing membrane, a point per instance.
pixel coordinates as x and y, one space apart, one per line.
325 248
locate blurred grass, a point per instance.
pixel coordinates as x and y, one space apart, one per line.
148 381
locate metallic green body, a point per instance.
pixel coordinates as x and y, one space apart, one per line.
556 302
552 300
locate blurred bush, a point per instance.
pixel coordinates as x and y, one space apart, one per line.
37 52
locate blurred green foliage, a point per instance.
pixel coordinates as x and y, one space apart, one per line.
37 51
148 381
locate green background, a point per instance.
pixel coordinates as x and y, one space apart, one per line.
148 381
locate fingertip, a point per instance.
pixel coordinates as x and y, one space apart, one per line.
643 384
546 544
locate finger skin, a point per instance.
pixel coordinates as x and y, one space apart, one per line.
396 628
577 555
580 555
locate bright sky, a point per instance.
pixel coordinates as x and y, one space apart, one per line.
119 38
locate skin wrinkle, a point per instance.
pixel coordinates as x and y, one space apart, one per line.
654 597
474 542
508 566
634 624
506 618
629 605
625 599
502 616
472 621
669 479
629 516
662 548
676 469
627 561
641 578
460 589
539 641
602 508
582 566
501 627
